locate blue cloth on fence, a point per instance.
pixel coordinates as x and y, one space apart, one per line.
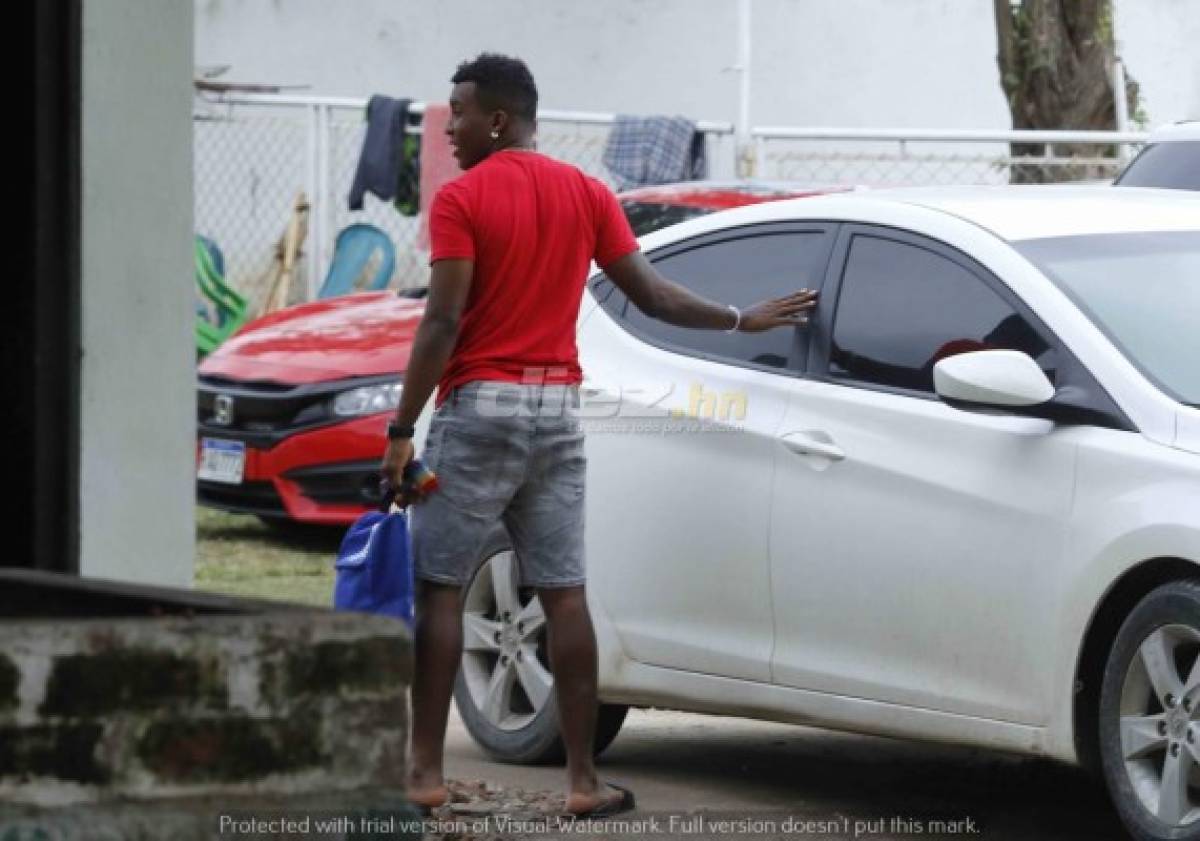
374 571
654 150
382 152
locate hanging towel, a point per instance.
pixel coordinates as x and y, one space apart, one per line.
387 165
654 150
438 165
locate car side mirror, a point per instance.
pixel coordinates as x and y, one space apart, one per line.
991 379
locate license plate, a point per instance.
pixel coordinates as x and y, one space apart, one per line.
222 461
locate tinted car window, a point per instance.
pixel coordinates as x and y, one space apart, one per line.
902 308
741 272
1174 165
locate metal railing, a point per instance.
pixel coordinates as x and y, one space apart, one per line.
898 157
254 153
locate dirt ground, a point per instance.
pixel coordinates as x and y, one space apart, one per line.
701 776
690 772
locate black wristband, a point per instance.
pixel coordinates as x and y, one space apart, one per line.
396 432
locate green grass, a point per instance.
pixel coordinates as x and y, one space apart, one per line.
239 555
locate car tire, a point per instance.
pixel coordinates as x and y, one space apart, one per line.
1150 716
518 723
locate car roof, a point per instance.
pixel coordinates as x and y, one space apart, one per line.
1010 212
1184 130
715 195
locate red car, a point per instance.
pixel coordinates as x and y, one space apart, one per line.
292 410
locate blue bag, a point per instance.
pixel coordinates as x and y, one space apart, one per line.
374 566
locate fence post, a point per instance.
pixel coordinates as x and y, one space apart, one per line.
745 157
321 207
316 241
1121 104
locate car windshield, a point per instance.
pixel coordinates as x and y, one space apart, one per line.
1142 290
1174 165
645 217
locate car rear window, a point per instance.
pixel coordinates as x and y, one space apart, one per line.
645 217
1174 165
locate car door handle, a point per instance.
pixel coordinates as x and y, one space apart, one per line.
590 388
813 443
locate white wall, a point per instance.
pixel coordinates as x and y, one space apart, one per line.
138 389
1158 39
816 62
871 63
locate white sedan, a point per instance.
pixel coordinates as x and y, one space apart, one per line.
962 505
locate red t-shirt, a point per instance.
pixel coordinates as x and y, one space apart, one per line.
532 225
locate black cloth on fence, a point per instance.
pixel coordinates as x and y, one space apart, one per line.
388 165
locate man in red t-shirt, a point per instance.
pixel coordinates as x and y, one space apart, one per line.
512 240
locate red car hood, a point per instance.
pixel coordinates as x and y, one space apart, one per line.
361 335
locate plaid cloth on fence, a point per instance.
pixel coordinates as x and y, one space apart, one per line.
654 150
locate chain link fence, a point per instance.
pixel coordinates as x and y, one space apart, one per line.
346 128
249 168
578 143
893 158
254 155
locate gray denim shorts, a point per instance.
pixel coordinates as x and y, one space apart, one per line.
508 453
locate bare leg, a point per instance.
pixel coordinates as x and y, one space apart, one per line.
438 641
573 662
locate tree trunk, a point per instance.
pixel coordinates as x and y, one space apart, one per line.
1056 58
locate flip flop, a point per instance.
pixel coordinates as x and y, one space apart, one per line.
610 807
425 810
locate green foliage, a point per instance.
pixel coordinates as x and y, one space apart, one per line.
1104 24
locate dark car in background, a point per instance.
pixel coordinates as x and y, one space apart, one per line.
1171 159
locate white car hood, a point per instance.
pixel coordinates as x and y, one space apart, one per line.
1187 430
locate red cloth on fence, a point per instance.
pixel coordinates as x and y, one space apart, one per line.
438 164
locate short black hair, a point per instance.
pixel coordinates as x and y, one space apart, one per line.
501 83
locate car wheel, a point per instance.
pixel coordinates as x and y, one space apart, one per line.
504 690
1150 715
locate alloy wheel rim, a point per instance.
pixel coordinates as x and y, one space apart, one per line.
1159 726
505 664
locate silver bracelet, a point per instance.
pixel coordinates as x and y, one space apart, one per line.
737 314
